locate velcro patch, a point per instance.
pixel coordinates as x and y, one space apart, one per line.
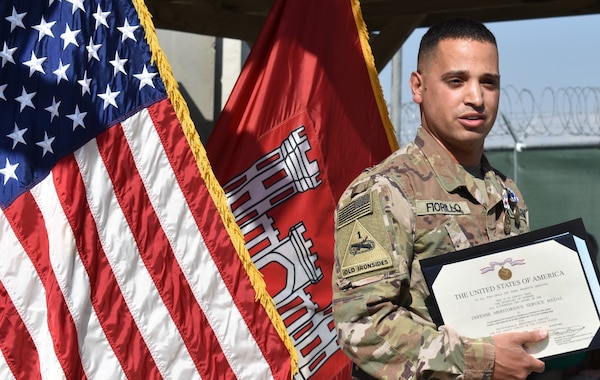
363 253
361 206
429 207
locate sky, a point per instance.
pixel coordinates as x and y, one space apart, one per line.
534 54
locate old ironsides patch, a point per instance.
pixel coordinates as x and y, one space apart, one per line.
363 253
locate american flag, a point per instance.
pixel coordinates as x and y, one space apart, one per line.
117 259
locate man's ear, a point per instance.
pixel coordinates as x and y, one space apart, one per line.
416 86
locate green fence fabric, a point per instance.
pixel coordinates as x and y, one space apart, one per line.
558 184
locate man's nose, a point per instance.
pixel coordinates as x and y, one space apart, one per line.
474 94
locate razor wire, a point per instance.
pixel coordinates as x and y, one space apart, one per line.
562 117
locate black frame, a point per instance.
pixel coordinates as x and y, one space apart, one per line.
563 233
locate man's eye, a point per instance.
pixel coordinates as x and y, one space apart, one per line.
491 84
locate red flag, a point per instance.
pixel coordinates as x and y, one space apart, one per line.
119 255
305 117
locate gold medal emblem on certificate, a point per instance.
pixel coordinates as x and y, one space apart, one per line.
505 273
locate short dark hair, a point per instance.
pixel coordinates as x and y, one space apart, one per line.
454 28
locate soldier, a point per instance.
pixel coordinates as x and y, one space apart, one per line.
438 194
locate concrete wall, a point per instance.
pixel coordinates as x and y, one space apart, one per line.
206 68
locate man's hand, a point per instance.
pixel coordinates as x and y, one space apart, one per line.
512 361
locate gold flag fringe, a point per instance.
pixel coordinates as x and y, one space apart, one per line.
373 75
214 188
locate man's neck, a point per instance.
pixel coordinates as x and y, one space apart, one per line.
469 156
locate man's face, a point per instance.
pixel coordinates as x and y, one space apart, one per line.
458 89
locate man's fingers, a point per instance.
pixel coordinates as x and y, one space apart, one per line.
533 336
538 366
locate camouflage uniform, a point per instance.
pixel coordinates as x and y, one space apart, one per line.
416 204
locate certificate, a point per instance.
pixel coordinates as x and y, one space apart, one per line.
542 279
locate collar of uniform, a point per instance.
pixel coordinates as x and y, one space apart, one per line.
495 181
450 175
485 165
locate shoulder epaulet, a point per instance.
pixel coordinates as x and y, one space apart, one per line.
502 176
361 187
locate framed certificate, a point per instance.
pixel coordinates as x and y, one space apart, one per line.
542 279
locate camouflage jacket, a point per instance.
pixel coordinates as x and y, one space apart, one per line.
415 204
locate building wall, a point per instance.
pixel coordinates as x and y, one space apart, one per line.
206 68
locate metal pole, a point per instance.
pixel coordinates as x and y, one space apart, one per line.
396 94
516 148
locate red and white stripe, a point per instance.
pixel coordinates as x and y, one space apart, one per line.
117 266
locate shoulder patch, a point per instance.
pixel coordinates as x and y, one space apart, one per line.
361 206
363 253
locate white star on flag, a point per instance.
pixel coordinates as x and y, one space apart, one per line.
53 109
118 64
69 37
85 84
25 99
145 77
109 97
9 171
77 4
44 28
101 17
7 54
46 144
17 136
77 118
92 50
61 72
127 31
16 19
35 64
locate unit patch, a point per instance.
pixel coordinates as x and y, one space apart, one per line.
363 253
361 206
429 207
